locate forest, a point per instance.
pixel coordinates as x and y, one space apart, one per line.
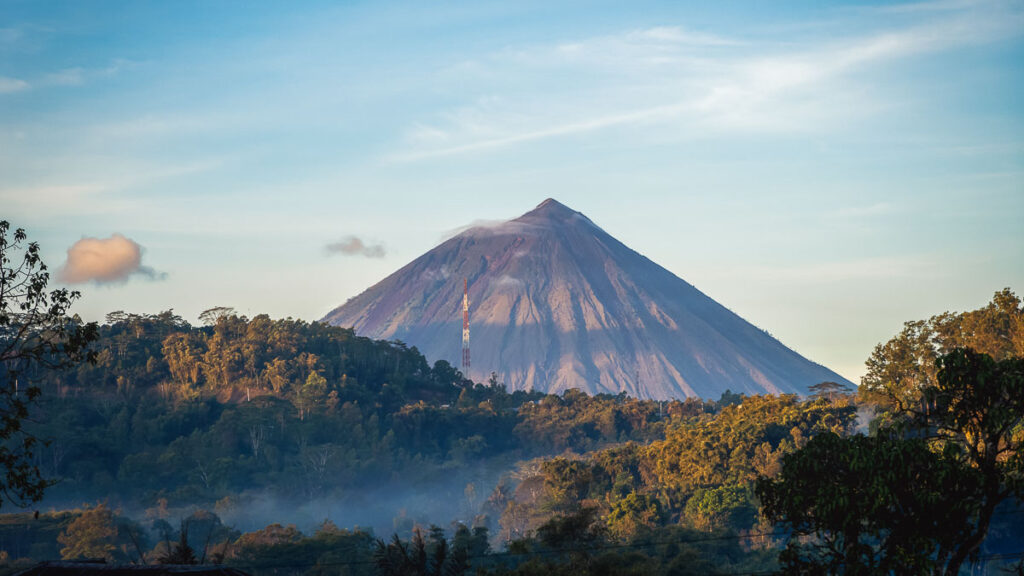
286 447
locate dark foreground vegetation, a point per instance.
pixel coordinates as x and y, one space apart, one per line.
249 441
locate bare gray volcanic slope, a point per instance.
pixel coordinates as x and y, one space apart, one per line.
557 303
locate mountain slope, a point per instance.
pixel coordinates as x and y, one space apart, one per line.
557 303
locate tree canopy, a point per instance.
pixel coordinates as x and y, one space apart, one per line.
899 369
918 496
36 336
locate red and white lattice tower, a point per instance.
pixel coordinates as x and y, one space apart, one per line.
465 326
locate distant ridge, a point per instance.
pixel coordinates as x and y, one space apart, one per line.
557 303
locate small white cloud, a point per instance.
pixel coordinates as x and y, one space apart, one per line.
679 35
479 223
354 246
506 281
442 273
105 261
9 85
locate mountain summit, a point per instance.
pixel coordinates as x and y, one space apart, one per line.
557 303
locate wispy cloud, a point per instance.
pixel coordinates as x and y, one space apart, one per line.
681 36
78 75
9 85
479 223
644 48
45 196
78 189
695 83
355 246
586 125
919 7
73 76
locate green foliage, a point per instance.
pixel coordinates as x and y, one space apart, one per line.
875 504
195 415
199 415
36 338
277 550
214 447
419 557
92 535
978 405
180 552
919 496
577 544
899 369
738 444
579 422
829 390
957 376
634 514
701 474
721 507
576 532
430 553
730 398
266 546
976 410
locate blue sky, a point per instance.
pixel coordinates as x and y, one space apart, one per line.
826 170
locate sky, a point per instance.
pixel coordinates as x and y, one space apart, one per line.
826 170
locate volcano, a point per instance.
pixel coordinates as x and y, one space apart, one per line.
557 303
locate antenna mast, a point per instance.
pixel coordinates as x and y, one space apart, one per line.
465 326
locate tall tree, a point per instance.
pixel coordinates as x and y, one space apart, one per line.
210 316
921 494
180 552
36 335
869 505
900 369
91 535
829 390
977 407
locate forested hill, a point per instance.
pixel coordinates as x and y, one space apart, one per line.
262 423
236 357
253 425
297 411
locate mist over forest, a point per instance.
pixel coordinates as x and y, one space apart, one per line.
249 435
